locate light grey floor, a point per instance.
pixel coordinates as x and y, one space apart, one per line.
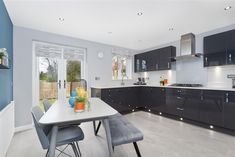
163 137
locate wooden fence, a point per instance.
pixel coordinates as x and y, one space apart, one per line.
49 90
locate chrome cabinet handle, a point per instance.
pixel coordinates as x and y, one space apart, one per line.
168 64
227 96
157 66
230 57
206 59
201 97
181 109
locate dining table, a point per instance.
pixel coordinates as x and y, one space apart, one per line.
61 114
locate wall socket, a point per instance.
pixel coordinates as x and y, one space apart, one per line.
97 78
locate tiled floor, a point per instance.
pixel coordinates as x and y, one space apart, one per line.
163 137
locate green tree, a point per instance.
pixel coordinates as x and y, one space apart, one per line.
73 72
43 76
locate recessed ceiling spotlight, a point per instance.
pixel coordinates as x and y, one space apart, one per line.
227 8
61 19
140 13
110 32
171 29
139 40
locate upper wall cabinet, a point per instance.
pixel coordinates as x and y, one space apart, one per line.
219 49
155 60
231 47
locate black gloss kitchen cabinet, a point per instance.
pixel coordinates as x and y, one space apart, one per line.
231 47
229 110
174 101
140 62
146 97
159 59
211 108
192 100
158 100
124 100
219 49
165 57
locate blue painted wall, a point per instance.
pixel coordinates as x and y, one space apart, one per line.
6 41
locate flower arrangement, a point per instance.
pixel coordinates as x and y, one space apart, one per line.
79 100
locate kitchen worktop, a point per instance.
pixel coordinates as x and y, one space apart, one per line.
152 85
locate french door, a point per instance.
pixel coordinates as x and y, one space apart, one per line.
58 70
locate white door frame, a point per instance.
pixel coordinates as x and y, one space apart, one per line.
62 72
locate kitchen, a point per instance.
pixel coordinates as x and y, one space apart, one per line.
117 78
193 96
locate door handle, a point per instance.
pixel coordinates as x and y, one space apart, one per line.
64 84
168 64
59 84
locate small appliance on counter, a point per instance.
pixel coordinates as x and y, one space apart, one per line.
232 76
141 81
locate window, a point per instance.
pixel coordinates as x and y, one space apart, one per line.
121 67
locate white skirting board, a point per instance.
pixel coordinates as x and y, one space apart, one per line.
7 127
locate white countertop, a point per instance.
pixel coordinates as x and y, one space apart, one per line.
149 85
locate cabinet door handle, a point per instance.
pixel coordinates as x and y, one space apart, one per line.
227 96
181 109
157 66
179 97
226 100
230 57
206 59
168 64
201 97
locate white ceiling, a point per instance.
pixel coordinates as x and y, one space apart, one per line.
93 19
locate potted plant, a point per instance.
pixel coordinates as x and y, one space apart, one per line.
79 104
81 100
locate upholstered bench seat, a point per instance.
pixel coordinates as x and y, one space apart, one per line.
122 131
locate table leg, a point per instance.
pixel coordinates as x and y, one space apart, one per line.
53 141
94 126
108 136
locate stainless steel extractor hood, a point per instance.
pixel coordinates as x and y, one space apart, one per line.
187 47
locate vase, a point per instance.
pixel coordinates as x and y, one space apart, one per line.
79 106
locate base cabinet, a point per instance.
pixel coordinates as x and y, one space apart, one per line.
211 108
229 110
192 101
159 100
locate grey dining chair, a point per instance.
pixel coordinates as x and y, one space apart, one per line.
46 105
66 135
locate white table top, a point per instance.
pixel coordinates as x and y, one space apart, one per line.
60 113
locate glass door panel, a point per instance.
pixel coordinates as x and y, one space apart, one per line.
73 75
48 79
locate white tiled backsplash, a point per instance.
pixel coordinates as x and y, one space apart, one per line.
217 76
153 78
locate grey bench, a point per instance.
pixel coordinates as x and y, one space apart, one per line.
123 132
